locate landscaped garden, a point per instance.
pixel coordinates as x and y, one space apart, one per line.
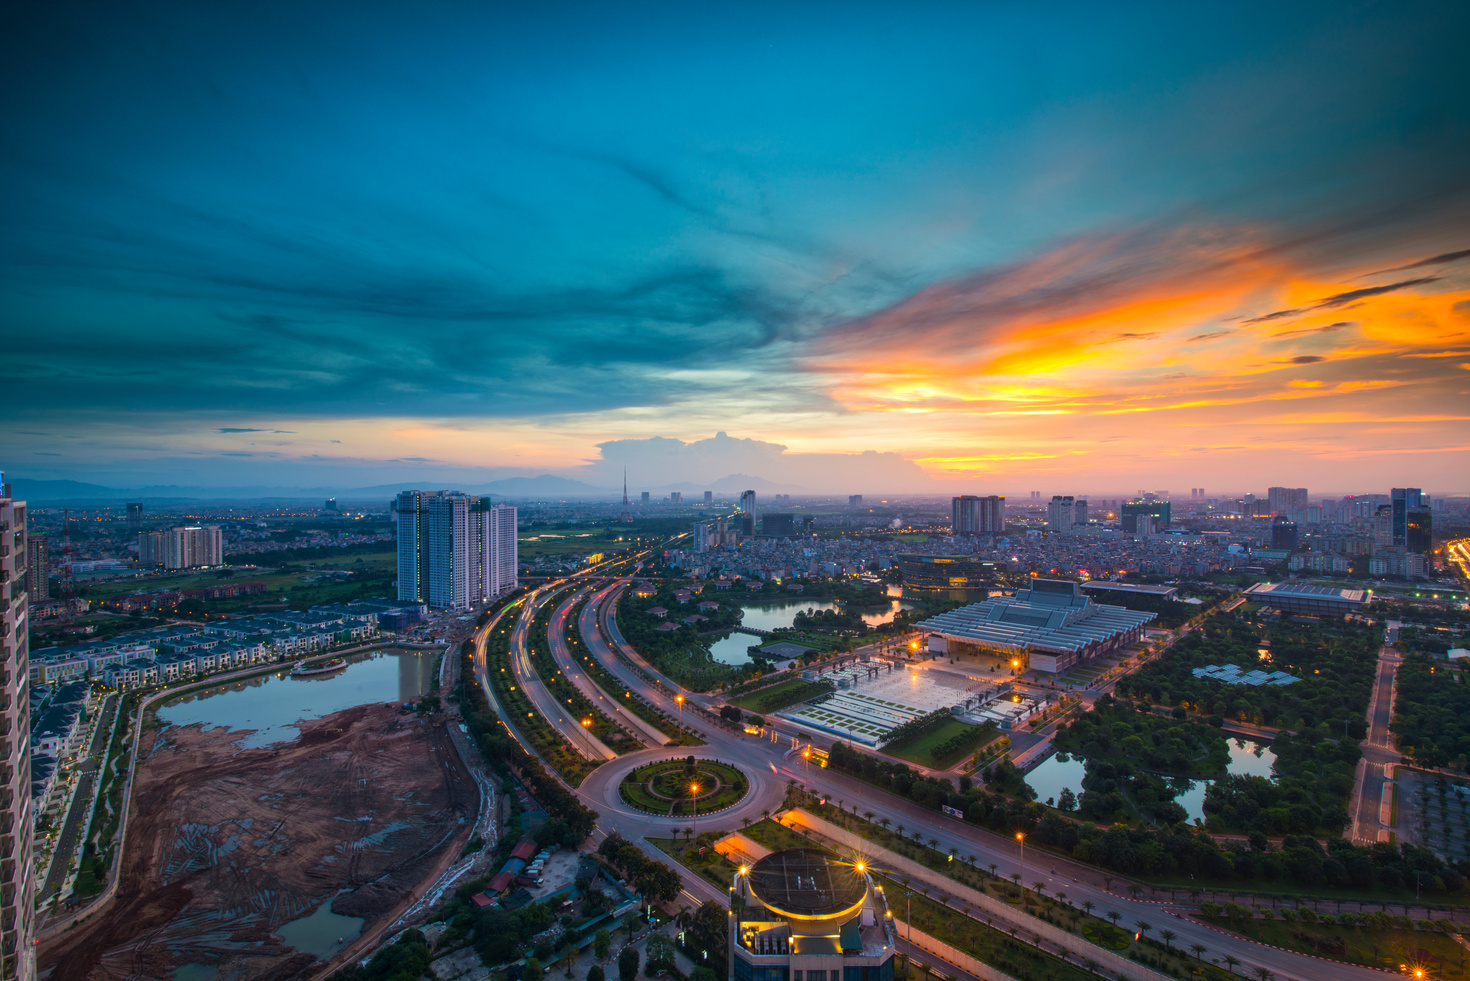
683 788
781 695
941 746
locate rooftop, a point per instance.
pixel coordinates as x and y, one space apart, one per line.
807 883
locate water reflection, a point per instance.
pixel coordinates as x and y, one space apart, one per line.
1247 758
269 704
771 616
733 647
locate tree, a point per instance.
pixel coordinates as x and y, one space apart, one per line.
602 944
1115 916
568 953
532 971
659 955
1167 936
595 973
1198 950
628 964
1230 962
630 923
1088 906
1264 973
708 928
1143 926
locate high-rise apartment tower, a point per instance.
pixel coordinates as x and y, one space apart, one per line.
17 824
454 550
972 515
38 568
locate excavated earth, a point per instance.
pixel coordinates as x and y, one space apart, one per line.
227 844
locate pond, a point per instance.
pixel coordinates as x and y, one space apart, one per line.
732 648
321 934
269 704
1061 770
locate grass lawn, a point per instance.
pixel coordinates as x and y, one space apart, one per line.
712 865
781 695
1387 949
671 783
920 748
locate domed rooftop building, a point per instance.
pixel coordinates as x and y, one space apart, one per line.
804 914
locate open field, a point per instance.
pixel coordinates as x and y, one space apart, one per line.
534 543
228 845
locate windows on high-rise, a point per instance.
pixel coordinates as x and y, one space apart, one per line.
17 823
454 550
1402 499
973 515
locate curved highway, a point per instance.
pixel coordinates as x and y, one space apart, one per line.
769 771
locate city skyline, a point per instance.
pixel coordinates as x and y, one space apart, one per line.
1063 246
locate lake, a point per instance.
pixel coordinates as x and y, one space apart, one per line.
270 704
1061 770
731 648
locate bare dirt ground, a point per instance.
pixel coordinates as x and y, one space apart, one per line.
226 844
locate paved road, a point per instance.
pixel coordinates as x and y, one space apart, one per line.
1378 753
608 705
553 711
81 803
1080 882
769 770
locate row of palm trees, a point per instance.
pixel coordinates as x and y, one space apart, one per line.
1134 889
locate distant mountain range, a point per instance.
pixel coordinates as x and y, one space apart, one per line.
515 488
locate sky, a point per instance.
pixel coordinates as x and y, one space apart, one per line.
980 248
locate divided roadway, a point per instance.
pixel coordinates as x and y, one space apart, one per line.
1080 882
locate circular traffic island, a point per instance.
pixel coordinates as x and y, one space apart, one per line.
683 788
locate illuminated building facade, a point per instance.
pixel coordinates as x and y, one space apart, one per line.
805 915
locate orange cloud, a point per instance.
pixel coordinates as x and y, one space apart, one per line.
1200 330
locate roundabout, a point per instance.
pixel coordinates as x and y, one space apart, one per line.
684 787
602 789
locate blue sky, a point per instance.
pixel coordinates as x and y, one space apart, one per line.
292 239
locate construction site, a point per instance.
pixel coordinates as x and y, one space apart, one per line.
265 863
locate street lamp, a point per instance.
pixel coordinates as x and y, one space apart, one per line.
694 799
680 700
1022 839
587 731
